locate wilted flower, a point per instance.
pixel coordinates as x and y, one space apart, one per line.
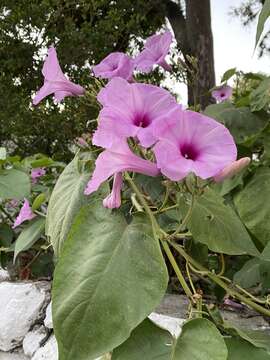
192 142
55 82
130 110
155 50
222 93
113 200
232 169
116 64
37 173
25 213
117 160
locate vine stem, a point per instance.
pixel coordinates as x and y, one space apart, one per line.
220 282
157 234
186 218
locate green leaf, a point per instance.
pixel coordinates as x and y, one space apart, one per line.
109 277
249 275
242 123
200 340
257 338
65 202
29 235
14 184
260 97
39 200
228 74
215 224
6 235
264 14
240 349
252 206
147 341
265 255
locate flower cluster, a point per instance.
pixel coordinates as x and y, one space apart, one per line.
147 116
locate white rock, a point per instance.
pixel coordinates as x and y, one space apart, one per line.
48 352
4 275
172 324
33 339
21 306
12 356
48 319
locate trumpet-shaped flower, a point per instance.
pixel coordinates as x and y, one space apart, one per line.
222 93
116 64
130 110
113 200
192 142
37 173
55 82
232 169
155 50
117 160
25 213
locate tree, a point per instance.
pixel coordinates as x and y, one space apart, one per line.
248 12
193 33
84 33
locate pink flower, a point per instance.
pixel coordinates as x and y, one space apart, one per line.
25 213
114 161
113 200
116 64
222 93
37 173
155 50
130 110
192 142
232 169
55 82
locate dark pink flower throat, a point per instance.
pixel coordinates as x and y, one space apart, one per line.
189 152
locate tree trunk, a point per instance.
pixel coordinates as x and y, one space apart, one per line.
194 37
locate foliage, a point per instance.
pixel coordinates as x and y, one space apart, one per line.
26 29
112 264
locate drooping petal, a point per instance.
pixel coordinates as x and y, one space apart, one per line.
115 65
192 142
51 69
25 213
113 200
222 93
130 110
155 50
120 159
55 82
232 169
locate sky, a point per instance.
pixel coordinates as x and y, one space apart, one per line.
233 43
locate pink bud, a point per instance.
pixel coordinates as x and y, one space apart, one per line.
232 169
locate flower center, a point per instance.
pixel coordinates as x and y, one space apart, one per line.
189 152
222 94
141 121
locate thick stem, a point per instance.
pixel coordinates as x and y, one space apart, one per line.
177 270
157 232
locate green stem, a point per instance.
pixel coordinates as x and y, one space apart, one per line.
177 270
220 282
183 223
157 233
